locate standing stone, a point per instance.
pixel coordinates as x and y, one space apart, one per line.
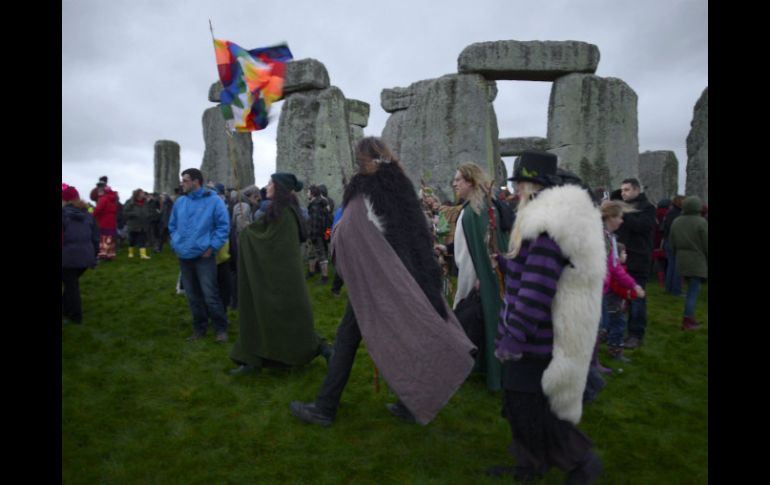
697 180
222 148
305 75
314 139
167 170
358 116
659 174
215 92
440 124
528 61
513 147
593 128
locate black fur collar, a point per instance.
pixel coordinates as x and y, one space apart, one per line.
406 229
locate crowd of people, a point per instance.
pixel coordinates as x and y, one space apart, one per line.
544 276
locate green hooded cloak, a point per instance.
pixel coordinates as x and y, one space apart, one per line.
476 229
276 319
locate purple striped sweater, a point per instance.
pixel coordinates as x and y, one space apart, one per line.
525 327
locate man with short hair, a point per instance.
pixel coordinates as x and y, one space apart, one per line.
637 233
199 227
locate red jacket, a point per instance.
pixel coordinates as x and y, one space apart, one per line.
106 211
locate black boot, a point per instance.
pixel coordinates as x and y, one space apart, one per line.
587 471
308 413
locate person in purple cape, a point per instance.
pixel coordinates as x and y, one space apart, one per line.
382 249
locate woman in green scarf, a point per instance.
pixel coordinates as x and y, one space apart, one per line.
471 253
276 319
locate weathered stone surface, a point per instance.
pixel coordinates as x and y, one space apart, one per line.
528 61
397 99
215 91
305 75
659 174
393 133
356 135
167 171
314 140
697 180
593 128
510 147
358 112
449 120
221 149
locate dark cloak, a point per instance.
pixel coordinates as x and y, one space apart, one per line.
423 356
276 318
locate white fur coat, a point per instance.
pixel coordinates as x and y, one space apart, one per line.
570 218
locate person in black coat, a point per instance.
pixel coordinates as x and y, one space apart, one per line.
637 233
79 247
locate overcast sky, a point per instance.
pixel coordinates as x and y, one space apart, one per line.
138 71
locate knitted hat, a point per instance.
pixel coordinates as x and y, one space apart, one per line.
70 193
287 180
220 188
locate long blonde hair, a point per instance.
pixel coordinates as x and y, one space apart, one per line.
474 175
526 191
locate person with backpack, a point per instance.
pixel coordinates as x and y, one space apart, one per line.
477 281
320 219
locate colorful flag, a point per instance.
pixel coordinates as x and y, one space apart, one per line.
252 81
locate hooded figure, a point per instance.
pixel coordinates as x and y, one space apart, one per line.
690 244
276 318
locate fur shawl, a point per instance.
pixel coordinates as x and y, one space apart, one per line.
391 196
567 214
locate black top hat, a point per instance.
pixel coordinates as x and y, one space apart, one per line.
535 166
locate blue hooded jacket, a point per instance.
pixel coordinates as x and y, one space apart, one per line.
198 221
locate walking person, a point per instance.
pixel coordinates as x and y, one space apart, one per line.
689 237
382 248
199 227
275 314
554 269
79 246
476 279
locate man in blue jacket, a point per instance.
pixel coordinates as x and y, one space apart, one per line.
199 227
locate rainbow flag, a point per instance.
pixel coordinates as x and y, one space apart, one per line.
252 81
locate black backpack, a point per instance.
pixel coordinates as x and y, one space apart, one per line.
507 216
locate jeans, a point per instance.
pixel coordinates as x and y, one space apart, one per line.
637 323
693 289
616 324
604 323
673 280
199 277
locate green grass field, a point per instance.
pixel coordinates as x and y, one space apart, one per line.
141 405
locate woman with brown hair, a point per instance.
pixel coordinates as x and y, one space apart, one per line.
383 250
276 318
